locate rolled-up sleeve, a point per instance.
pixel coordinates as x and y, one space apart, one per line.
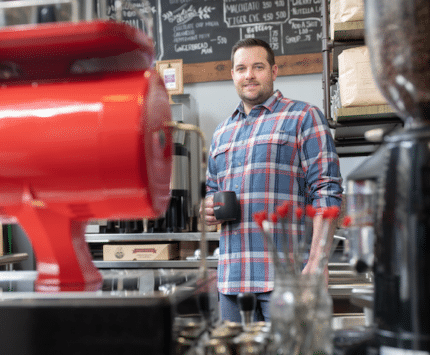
320 162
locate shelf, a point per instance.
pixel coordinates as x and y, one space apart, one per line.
140 237
349 31
353 122
365 113
355 149
154 264
13 258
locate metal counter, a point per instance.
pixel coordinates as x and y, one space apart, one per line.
135 312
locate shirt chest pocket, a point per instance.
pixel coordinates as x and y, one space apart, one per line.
222 156
277 147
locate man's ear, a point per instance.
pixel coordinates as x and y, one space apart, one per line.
274 72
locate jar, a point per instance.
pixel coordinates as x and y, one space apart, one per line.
301 312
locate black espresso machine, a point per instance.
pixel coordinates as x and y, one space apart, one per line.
389 194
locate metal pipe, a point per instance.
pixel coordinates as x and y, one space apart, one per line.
327 46
203 241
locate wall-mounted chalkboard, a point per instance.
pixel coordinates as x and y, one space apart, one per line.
202 32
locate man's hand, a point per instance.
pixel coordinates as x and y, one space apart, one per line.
310 268
210 219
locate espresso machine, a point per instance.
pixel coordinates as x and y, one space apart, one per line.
389 194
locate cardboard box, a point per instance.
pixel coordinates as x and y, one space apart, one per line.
342 11
140 252
187 248
356 83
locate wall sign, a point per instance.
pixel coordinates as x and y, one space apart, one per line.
172 75
202 33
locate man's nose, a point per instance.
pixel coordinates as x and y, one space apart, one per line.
250 73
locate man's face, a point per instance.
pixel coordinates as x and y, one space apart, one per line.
253 76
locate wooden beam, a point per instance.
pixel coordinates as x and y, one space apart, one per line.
288 65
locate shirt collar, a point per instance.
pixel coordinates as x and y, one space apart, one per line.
268 104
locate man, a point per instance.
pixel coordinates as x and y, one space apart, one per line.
271 150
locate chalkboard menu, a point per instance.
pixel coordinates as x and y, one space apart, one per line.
202 32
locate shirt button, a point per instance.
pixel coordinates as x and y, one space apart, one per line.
240 163
243 142
237 186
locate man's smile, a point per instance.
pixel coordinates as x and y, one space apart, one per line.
250 85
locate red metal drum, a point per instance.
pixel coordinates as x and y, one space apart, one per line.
91 145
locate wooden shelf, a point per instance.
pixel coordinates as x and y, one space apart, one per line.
369 113
366 115
349 31
140 237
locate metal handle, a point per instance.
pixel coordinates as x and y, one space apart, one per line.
203 243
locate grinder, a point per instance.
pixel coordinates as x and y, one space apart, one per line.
398 37
83 136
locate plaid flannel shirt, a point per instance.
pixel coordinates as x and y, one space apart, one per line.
282 151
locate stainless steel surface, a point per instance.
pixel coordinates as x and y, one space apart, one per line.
142 281
13 258
180 173
361 207
343 279
348 321
156 264
363 297
345 290
186 236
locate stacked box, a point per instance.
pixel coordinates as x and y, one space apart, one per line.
140 252
356 83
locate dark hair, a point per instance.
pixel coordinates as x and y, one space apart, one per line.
253 42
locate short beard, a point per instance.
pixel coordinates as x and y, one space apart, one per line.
258 100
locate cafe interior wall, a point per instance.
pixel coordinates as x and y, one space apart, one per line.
215 101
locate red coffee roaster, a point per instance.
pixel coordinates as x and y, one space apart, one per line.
82 136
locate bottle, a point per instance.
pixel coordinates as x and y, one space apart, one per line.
283 302
323 331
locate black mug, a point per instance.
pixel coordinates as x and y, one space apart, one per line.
226 206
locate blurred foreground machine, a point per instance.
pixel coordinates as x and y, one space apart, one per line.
389 194
83 135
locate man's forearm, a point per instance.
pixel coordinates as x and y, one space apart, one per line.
320 249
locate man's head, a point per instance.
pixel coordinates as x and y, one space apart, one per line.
253 71
253 42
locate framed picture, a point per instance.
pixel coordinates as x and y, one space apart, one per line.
172 74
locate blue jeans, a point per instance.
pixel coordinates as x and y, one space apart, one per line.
230 308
